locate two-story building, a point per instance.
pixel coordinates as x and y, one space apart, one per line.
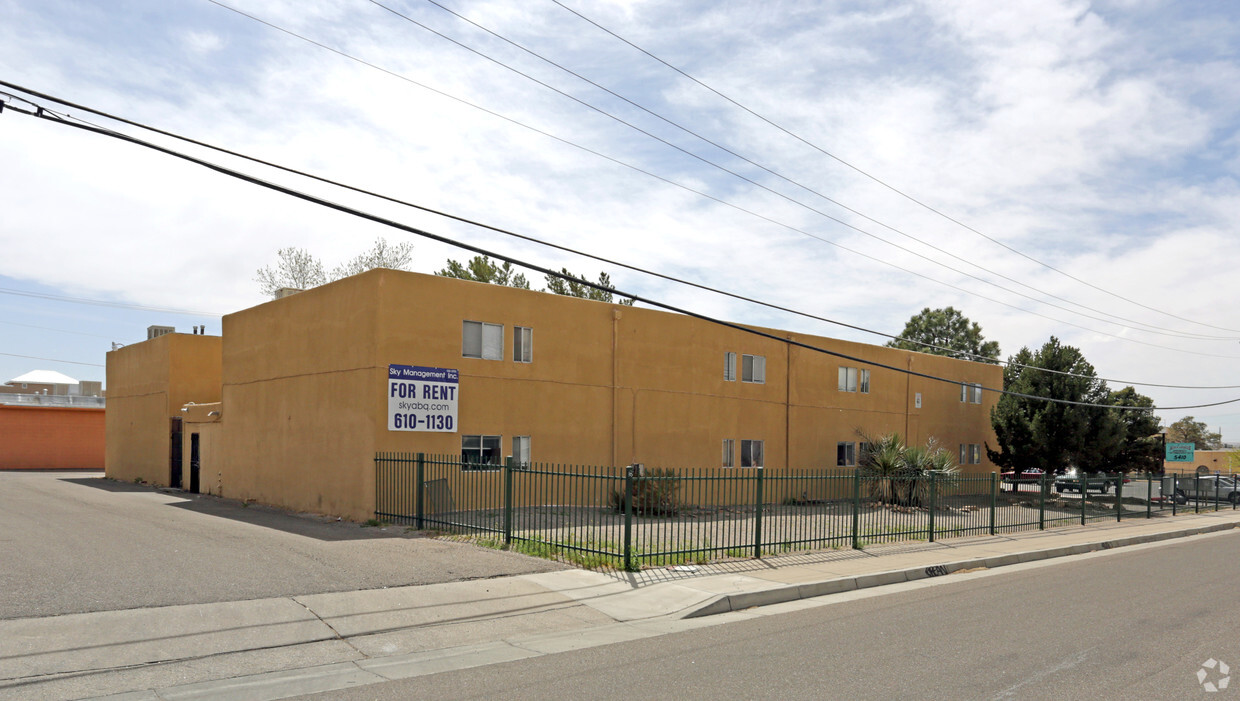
290 405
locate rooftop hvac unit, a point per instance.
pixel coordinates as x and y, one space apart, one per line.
287 291
157 331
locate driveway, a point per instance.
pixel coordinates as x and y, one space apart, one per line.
76 542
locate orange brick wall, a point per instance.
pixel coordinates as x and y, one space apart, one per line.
51 438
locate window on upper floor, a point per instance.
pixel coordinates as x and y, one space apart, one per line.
482 340
522 344
729 366
753 368
971 392
854 380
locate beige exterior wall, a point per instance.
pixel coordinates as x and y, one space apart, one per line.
148 382
304 383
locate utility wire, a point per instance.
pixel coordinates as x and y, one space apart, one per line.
41 114
52 360
884 184
1152 329
48 328
97 302
566 249
1148 328
700 193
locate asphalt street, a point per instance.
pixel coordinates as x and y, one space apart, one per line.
1143 623
76 542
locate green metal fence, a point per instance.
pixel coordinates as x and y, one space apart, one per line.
628 517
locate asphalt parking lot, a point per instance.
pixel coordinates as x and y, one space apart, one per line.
76 542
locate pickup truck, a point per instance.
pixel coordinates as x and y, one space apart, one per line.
1226 487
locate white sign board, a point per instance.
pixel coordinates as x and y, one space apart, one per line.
422 399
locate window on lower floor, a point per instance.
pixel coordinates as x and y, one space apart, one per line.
482 340
846 454
728 452
522 344
521 451
751 453
480 452
970 454
753 368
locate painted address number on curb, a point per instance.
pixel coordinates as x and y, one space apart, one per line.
936 571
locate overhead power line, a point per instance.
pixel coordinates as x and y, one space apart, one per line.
100 302
1129 323
566 249
731 205
42 114
53 360
883 183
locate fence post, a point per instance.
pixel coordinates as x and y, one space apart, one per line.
1082 483
1197 494
994 500
508 465
1042 502
628 518
1149 494
757 522
419 490
932 500
1119 497
1216 493
1174 488
856 510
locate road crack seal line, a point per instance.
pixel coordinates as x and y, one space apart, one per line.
330 627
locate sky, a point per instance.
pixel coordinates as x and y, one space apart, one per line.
1067 169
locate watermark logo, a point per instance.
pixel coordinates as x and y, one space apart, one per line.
1214 675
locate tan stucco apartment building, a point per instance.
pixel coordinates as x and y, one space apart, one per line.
290 405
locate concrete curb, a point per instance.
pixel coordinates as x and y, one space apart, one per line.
782 593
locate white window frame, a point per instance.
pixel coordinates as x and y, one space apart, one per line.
484 331
729 452
747 453
977 393
729 366
521 452
753 369
854 380
850 454
497 448
975 454
964 454
522 344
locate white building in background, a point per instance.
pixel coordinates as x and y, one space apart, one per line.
41 386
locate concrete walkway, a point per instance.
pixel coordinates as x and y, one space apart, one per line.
281 647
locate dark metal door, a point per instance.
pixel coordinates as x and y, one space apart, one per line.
174 455
193 463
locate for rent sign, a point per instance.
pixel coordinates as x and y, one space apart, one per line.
422 399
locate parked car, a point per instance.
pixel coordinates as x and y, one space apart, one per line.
1071 482
1028 479
1225 487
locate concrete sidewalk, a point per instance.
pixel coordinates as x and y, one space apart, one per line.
280 647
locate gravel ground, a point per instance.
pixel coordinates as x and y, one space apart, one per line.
76 542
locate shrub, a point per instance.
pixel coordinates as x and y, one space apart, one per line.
654 494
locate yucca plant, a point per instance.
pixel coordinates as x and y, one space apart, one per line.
882 467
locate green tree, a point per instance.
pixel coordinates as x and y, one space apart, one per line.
949 330
1050 435
1187 430
571 288
1140 449
483 269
